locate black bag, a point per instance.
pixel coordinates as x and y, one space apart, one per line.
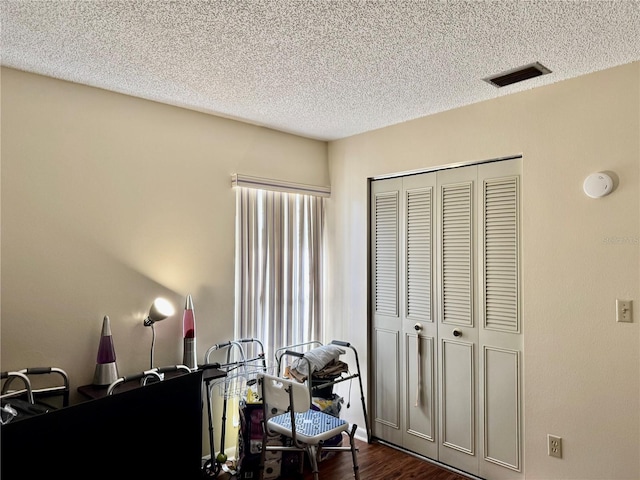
22 409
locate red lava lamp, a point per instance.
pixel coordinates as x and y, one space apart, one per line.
189 357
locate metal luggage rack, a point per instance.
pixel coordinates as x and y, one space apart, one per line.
241 370
298 351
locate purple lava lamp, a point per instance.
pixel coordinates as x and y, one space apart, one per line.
106 368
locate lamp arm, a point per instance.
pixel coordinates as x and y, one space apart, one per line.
153 342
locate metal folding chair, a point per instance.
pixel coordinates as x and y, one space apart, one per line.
288 413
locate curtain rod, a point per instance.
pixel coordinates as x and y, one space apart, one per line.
247 181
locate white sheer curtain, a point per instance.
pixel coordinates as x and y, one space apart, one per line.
279 259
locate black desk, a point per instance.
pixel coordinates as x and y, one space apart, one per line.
149 432
92 392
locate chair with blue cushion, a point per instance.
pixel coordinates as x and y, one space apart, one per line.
288 413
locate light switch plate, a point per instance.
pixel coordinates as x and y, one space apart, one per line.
624 310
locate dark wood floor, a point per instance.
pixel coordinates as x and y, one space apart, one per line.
379 462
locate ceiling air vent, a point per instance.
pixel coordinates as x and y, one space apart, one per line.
517 75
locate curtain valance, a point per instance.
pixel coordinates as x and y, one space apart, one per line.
247 181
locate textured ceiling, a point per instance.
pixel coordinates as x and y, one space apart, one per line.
321 69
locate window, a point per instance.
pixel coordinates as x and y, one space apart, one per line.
279 267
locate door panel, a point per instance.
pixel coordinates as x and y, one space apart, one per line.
458 397
417 308
387 412
387 325
457 318
501 407
500 332
421 422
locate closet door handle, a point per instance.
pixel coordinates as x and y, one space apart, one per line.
418 329
457 332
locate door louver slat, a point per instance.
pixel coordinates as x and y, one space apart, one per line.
419 233
501 254
386 254
456 254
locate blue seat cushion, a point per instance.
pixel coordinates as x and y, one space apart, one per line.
312 426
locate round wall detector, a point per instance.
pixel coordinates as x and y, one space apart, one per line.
598 185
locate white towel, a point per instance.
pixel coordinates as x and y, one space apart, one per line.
318 357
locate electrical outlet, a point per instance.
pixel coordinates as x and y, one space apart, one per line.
554 446
623 311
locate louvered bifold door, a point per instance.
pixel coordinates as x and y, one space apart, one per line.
420 330
386 333
446 334
500 330
457 326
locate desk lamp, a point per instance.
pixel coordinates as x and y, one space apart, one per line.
160 309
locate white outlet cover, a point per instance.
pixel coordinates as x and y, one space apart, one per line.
598 185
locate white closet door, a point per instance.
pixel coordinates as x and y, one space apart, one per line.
457 319
419 330
386 201
446 317
500 332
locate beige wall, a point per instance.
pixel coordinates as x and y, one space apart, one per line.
109 201
582 369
